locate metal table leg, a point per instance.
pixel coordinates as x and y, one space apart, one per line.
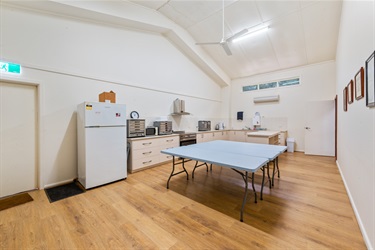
273 172
252 183
196 166
275 169
268 174
173 168
261 189
245 196
277 165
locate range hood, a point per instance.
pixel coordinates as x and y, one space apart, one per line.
179 107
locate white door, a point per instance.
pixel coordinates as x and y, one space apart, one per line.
320 128
17 138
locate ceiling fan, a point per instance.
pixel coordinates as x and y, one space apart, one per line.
225 41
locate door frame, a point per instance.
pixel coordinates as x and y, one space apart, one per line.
336 127
22 81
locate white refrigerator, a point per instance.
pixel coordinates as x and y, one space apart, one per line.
101 132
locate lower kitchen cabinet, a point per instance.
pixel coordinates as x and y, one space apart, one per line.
237 135
282 138
264 137
211 136
204 137
221 135
145 151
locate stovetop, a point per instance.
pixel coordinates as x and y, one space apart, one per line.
182 132
186 135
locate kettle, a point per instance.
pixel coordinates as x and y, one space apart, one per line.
217 127
220 126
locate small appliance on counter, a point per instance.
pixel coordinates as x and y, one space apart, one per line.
204 125
136 127
220 126
150 131
164 127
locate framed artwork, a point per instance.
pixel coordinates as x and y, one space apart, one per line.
350 92
370 85
345 99
359 84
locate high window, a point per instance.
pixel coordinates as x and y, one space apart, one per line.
273 84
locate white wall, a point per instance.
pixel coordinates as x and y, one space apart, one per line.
73 61
317 83
356 127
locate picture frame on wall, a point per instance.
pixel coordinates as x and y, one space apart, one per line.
345 99
370 84
350 92
359 84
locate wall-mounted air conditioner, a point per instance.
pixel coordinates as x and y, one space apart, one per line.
272 98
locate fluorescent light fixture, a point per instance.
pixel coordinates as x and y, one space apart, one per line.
251 32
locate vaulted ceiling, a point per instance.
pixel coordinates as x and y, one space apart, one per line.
300 32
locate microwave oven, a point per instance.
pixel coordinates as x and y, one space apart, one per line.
135 127
204 125
151 131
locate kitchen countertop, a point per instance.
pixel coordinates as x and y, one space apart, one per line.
263 133
150 137
260 133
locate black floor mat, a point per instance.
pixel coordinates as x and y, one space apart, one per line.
64 191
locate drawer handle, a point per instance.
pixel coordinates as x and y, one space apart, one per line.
146 153
145 162
147 143
169 156
169 140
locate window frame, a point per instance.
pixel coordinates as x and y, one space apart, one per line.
258 88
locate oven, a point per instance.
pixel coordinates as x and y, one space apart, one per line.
188 139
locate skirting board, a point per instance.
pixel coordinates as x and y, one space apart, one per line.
361 227
58 183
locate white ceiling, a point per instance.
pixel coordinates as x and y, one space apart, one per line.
300 32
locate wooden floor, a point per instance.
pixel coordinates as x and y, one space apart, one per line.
308 208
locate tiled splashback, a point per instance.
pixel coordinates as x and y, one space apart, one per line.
189 123
269 123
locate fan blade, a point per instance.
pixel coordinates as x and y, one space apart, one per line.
238 34
207 43
226 48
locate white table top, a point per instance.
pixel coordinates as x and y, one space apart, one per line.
252 149
225 159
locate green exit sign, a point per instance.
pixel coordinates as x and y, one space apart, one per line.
12 68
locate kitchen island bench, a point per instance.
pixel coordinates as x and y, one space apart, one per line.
263 136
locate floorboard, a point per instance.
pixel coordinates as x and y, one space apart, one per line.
308 208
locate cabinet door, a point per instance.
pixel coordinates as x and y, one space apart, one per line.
169 142
219 135
211 136
256 139
282 138
142 144
200 137
231 135
240 136
225 135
